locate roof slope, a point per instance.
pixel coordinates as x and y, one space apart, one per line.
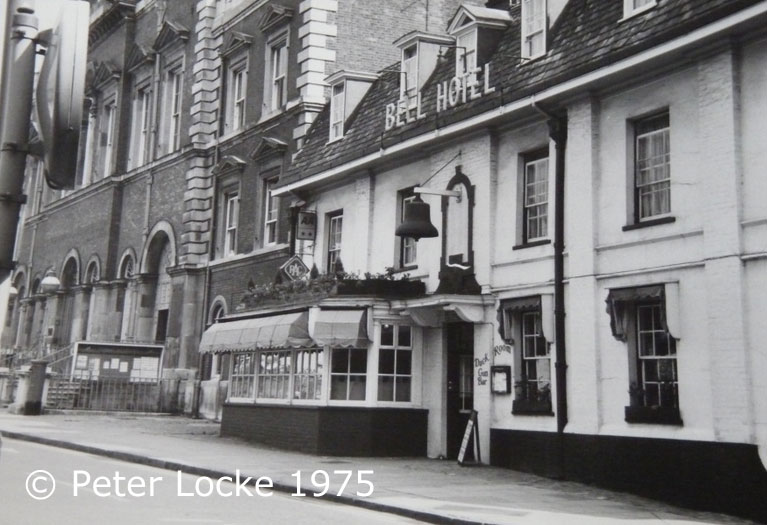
588 35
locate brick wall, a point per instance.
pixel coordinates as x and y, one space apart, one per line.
335 431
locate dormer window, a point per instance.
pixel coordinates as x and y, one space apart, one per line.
477 32
337 111
534 28
466 52
634 7
409 83
346 91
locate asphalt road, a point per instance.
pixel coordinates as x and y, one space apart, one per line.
93 489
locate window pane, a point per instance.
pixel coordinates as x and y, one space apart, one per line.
403 389
340 362
386 388
403 339
338 387
359 361
387 335
386 362
404 365
357 388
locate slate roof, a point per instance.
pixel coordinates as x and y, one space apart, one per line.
588 35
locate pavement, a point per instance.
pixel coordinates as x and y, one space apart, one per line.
430 490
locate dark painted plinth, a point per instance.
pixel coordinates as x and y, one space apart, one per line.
330 431
719 477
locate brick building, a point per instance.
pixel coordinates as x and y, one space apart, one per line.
194 110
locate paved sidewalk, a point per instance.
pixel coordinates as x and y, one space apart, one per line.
430 490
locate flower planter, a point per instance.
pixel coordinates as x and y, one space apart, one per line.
531 407
379 288
654 414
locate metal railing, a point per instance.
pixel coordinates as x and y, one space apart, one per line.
114 394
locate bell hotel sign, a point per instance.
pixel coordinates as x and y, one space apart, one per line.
450 93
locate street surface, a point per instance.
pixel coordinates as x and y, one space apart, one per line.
126 494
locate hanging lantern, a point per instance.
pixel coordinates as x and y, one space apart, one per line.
417 222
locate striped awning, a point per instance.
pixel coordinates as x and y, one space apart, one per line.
341 328
279 331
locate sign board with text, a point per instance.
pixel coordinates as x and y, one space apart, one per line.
306 227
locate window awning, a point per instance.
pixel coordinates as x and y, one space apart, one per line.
341 328
618 301
279 331
522 304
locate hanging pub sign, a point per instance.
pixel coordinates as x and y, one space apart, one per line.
294 268
450 93
306 227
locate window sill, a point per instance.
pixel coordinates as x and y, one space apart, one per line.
531 244
403 269
525 407
655 415
649 223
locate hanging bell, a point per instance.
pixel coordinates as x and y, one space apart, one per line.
417 221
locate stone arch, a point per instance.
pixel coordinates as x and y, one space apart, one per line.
20 277
218 308
70 274
127 267
161 232
92 270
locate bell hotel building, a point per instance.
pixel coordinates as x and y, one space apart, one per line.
586 180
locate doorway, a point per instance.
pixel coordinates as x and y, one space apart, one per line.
460 383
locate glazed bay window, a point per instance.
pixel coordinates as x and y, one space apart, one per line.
652 168
335 229
638 317
536 200
271 209
307 375
348 374
242 380
533 28
395 363
274 370
231 216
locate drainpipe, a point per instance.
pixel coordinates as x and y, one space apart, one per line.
558 133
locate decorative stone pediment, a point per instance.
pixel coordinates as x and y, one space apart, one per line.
229 163
234 41
268 146
139 56
170 33
104 72
275 15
